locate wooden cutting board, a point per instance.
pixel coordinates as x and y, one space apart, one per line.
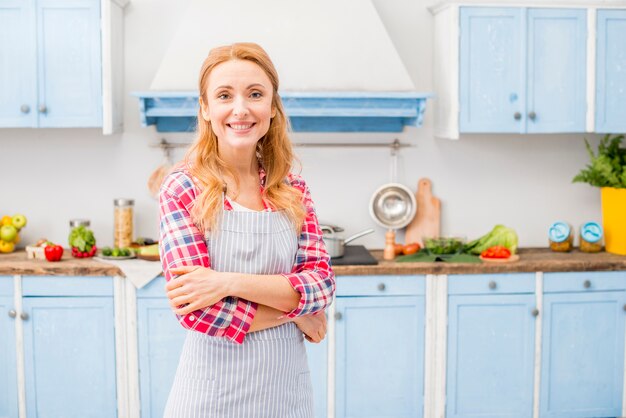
427 220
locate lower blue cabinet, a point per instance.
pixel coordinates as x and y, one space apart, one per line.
583 345
160 341
8 370
491 337
380 356
69 347
317 355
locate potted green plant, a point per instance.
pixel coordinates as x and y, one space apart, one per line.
607 170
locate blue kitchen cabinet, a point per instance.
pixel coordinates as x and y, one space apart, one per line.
522 70
317 355
380 347
583 345
8 370
160 342
69 347
611 71
18 74
54 77
491 337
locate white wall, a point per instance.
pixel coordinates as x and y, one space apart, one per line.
524 182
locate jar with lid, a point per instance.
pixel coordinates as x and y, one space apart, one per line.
123 222
561 236
79 222
591 237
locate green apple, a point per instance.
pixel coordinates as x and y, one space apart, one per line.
8 233
18 221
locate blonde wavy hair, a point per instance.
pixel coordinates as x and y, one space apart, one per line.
273 150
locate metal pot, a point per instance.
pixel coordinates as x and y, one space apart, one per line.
335 244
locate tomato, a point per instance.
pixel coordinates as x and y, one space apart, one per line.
497 251
398 248
411 248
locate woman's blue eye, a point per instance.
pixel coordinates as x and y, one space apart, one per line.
223 96
256 95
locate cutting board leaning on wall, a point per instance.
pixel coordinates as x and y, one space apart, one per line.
427 220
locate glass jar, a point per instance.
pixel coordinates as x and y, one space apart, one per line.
591 237
123 222
561 236
79 222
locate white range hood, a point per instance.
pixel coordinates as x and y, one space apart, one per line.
334 63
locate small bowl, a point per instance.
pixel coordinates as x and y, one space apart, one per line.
444 245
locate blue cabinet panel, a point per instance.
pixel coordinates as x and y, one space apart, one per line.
8 371
18 89
317 355
557 63
611 71
380 357
582 355
69 76
491 71
490 356
70 357
161 340
380 286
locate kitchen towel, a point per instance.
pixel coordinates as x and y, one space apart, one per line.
139 272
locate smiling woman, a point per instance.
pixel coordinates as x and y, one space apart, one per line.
242 251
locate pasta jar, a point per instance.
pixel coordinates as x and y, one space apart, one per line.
591 237
561 236
123 222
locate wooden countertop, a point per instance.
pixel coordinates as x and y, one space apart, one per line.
531 260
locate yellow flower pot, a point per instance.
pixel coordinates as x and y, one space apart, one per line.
614 219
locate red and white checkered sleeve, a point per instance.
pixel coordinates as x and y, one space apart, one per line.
312 274
182 244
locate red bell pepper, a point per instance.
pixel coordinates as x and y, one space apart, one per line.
53 252
497 251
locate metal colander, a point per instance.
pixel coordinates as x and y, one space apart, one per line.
393 206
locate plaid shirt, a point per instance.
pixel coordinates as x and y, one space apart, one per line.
183 244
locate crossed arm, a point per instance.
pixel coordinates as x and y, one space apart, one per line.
220 306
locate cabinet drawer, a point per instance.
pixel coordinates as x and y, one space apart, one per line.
67 286
6 285
584 281
470 284
380 285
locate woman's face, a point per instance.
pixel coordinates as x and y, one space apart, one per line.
239 103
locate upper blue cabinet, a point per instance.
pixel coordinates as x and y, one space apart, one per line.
528 70
59 59
611 71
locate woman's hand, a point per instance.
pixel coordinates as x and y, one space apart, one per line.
195 288
313 326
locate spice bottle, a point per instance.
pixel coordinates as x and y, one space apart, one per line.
561 236
123 222
591 237
79 222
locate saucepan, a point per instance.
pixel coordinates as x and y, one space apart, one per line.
335 244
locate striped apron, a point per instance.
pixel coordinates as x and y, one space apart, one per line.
265 377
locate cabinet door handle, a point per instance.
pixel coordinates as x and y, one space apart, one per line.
586 284
338 316
532 115
24 316
535 312
25 108
624 307
43 108
517 115
12 313
381 286
492 285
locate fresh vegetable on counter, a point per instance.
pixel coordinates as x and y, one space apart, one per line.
499 235
443 245
53 252
82 242
497 251
117 252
